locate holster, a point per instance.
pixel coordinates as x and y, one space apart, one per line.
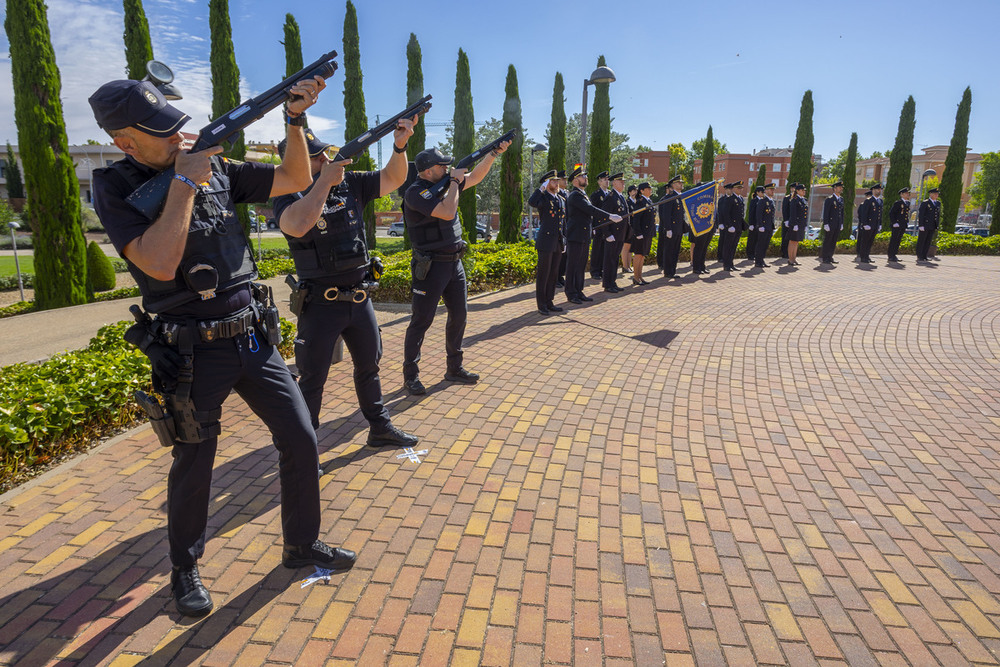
300 293
267 317
421 264
161 420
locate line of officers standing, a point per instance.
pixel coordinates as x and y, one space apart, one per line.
618 225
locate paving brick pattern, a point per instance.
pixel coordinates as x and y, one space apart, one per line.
787 467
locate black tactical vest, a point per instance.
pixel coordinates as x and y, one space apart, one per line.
216 257
428 233
335 247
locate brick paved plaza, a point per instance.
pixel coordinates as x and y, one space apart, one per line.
787 467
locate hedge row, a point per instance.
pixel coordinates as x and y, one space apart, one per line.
62 405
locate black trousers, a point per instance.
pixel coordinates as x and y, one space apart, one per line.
699 250
545 277
752 242
720 249
262 379
762 243
561 276
924 243
895 239
865 239
671 249
444 280
576 260
786 236
320 323
612 253
830 239
727 247
597 255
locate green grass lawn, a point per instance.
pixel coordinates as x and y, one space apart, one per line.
7 267
388 246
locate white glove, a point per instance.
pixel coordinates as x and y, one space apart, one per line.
610 239
785 223
761 229
670 234
732 230
922 229
826 227
868 228
545 184
639 237
795 228
615 217
895 224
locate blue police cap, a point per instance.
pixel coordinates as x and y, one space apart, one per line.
313 145
429 158
129 103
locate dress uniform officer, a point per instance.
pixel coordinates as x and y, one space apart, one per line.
580 215
630 195
869 223
195 270
899 218
549 243
326 237
436 236
862 214
613 233
786 216
643 225
564 193
722 219
733 227
671 229
752 222
764 220
928 219
597 198
798 221
833 221
699 247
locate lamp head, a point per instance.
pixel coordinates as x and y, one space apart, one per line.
602 75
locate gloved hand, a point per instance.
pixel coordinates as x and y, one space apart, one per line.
732 230
615 218
826 227
639 237
670 234
895 224
921 229
868 228
785 223
761 229
610 239
165 361
795 228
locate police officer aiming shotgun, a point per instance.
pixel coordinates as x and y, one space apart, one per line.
213 333
430 209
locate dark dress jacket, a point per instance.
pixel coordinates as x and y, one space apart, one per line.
580 215
552 214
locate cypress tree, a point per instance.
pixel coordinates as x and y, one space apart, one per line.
15 186
557 127
800 166
901 158
49 177
464 139
599 149
354 106
995 222
293 46
761 175
226 84
511 195
850 186
414 91
708 157
954 165
138 46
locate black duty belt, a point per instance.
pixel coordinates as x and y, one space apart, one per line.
452 257
209 330
354 295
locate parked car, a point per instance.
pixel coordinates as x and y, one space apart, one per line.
812 233
396 228
271 223
483 232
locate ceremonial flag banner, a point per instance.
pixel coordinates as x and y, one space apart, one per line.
699 206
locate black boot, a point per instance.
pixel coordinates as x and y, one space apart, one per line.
391 437
190 594
320 555
461 375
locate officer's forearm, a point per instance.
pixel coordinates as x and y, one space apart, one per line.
479 173
158 252
294 173
393 173
301 216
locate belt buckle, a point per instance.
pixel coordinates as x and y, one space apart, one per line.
359 296
331 294
208 330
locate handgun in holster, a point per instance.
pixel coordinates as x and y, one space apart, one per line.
421 264
300 292
159 418
267 315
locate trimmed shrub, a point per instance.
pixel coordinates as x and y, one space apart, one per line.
100 272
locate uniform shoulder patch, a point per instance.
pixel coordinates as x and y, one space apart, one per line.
426 194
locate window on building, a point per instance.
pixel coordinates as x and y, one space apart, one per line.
3 168
635 162
645 162
777 167
869 172
753 166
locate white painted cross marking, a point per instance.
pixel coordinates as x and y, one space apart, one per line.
319 575
408 453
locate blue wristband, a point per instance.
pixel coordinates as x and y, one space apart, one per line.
185 179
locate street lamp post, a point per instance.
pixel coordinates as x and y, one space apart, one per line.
600 75
17 265
537 148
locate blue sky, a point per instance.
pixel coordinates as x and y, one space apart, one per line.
680 66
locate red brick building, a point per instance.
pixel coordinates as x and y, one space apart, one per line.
743 166
653 165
